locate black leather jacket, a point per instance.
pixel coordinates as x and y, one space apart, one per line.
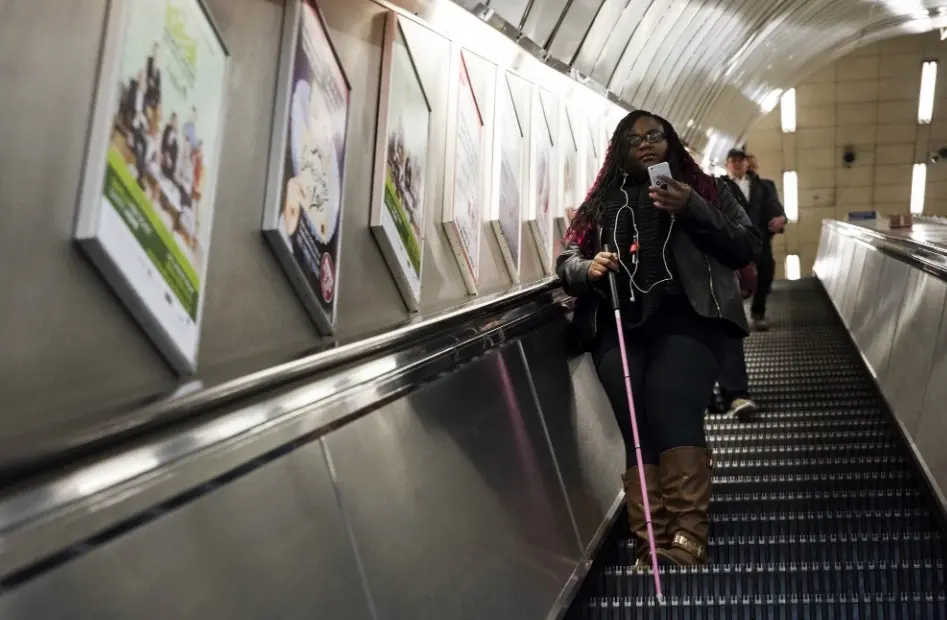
708 244
763 204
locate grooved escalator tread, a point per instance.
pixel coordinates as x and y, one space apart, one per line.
817 509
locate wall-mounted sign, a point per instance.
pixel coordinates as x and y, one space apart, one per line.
401 144
462 215
302 217
148 187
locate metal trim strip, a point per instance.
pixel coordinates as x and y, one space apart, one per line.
924 256
561 607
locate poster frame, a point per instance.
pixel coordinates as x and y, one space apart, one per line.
567 138
540 127
592 150
90 206
469 265
274 193
393 29
505 89
590 155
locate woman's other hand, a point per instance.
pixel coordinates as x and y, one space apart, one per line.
673 197
777 224
601 264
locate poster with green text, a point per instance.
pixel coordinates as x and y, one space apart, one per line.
158 130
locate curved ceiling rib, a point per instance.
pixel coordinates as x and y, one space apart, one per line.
712 67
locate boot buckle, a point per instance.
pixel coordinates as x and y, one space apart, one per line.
695 549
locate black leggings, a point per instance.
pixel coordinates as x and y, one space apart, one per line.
672 369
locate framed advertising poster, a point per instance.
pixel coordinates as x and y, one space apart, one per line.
147 199
302 215
568 166
506 216
463 178
401 147
541 181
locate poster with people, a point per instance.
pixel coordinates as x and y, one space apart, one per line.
542 181
403 125
463 221
303 216
508 224
569 155
148 195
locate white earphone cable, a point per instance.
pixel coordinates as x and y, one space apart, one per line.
634 224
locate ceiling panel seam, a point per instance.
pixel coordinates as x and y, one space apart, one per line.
663 70
688 105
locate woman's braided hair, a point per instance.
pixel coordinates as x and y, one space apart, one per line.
683 167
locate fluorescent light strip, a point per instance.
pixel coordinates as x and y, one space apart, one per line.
793 271
787 110
918 187
925 99
791 195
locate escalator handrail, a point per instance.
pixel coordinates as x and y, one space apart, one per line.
39 520
32 453
925 256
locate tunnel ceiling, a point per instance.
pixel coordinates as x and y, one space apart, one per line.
712 67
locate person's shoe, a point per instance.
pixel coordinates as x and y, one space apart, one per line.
686 483
743 409
759 324
714 407
637 519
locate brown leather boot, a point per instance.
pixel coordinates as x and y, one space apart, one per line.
637 519
686 482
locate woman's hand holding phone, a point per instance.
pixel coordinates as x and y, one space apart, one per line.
673 197
602 264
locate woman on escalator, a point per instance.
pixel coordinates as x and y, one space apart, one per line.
677 249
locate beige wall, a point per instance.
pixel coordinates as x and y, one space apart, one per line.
868 100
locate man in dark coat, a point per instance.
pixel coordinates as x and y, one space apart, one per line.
759 198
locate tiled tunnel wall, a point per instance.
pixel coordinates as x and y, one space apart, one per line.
868 100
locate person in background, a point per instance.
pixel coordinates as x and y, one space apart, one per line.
153 73
734 381
137 124
753 166
170 148
675 252
189 129
766 212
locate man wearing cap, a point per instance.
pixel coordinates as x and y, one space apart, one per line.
759 198
753 166
762 205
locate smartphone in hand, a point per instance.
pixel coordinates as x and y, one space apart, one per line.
657 171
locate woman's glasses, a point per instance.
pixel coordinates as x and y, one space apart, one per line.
652 137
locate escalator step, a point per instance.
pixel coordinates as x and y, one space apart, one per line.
817 512
784 448
783 579
736 440
807 500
